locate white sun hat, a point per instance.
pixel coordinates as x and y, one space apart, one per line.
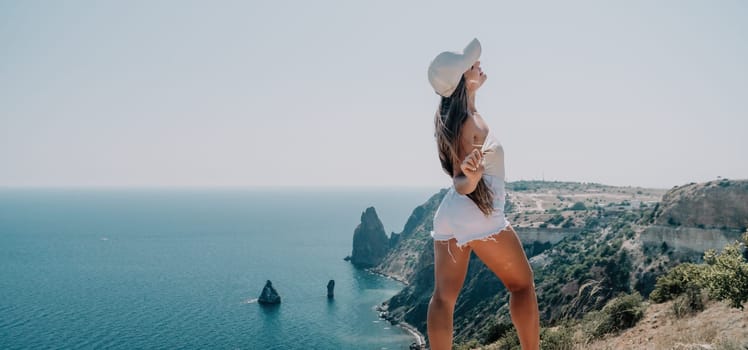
447 68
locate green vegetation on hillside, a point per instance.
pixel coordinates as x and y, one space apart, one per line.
589 283
723 275
591 265
619 314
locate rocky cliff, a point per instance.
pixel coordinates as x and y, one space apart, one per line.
689 239
413 250
370 243
721 204
411 260
579 268
700 216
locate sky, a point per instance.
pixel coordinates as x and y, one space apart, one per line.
335 93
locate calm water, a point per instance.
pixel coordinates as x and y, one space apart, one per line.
169 269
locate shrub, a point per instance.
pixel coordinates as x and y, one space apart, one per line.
568 223
559 339
591 223
592 324
624 311
676 282
726 274
664 247
472 344
578 206
620 313
510 341
690 302
519 187
628 233
556 219
496 331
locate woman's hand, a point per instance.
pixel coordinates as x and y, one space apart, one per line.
472 166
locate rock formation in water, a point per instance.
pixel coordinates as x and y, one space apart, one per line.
269 295
370 242
330 289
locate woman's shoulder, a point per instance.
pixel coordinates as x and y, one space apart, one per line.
475 129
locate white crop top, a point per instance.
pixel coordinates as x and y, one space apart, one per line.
460 217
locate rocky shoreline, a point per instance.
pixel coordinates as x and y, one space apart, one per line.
394 278
420 339
370 245
420 342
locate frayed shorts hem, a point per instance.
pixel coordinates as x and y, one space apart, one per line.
463 241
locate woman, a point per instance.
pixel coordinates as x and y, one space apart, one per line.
471 215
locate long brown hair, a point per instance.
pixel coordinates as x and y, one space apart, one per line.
448 122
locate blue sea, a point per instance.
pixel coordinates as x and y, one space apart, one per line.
166 268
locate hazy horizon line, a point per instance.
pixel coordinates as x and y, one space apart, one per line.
312 187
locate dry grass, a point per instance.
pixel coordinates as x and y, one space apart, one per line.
718 327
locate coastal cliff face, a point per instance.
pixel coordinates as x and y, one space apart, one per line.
370 243
413 250
411 260
578 268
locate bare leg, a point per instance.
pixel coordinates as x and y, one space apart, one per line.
505 257
449 275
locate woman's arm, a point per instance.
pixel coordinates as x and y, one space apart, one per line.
464 185
468 174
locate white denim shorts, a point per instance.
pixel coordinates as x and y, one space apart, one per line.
458 217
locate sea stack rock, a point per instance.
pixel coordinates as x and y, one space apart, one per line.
269 295
330 289
370 243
